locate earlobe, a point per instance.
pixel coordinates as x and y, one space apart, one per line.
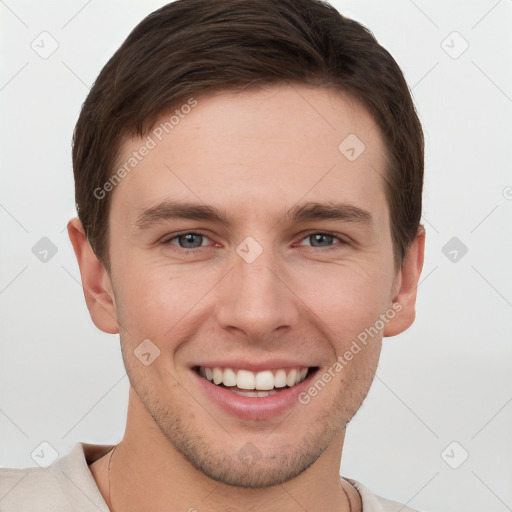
96 283
407 283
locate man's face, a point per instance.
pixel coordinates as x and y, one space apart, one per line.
270 289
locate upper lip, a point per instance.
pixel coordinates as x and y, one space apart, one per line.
244 364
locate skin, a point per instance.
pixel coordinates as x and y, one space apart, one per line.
253 155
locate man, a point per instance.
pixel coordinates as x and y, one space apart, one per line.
248 184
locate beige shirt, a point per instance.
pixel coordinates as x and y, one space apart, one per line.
68 486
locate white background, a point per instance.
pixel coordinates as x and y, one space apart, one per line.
448 378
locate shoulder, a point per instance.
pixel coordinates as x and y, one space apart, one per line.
18 485
374 503
64 486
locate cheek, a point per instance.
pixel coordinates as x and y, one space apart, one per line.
157 300
347 301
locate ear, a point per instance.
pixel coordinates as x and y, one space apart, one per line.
96 282
405 287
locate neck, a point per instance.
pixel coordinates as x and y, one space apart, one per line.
147 470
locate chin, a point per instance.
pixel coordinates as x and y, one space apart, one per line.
249 467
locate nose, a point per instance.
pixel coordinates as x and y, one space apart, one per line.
255 299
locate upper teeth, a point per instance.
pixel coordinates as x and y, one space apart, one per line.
245 379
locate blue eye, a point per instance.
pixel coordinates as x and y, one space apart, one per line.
322 239
187 240
190 241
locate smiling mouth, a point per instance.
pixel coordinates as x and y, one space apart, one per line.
255 384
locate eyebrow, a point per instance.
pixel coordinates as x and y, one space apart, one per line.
168 210
328 211
311 211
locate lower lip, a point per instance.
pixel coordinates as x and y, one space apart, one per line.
253 408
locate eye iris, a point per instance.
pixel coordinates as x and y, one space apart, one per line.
322 238
190 240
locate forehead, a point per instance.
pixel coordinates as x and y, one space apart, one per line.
256 152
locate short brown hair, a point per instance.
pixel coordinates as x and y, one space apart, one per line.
193 47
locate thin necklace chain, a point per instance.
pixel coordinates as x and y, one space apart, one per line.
348 499
110 500
109 463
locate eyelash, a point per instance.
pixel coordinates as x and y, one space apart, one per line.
168 241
